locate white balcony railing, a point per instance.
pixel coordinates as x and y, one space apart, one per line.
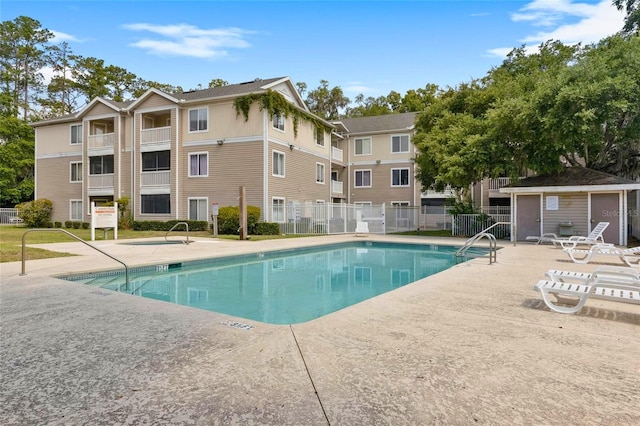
497 183
448 192
336 154
104 140
161 178
101 181
157 134
336 187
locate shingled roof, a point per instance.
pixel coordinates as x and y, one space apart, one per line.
572 176
229 90
379 123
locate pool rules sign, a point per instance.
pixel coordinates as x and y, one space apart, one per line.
105 217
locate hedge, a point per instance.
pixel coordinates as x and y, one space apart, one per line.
267 228
156 225
229 220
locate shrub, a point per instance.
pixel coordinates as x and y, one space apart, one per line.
36 213
85 225
57 224
68 224
76 225
157 225
229 219
267 228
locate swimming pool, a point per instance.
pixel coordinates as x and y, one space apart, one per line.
282 287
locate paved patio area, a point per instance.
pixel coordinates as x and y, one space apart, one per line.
471 345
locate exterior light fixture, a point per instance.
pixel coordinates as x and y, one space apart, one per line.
220 141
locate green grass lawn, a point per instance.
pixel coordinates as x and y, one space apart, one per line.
11 240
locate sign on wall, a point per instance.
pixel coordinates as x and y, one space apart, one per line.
553 202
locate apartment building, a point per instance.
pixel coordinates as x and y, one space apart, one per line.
176 155
378 160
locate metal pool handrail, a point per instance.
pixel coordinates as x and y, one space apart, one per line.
174 227
24 239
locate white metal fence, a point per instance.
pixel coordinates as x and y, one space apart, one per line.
469 225
9 216
320 219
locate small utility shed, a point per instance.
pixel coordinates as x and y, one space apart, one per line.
572 201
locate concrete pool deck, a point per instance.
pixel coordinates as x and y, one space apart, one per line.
474 344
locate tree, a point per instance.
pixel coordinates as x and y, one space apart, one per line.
22 47
218 82
16 161
62 92
368 107
632 20
326 102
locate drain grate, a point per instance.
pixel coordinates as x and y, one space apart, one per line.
236 324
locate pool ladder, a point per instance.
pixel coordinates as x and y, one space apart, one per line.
186 225
493 245
24 257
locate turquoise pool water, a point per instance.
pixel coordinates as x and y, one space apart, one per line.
283 287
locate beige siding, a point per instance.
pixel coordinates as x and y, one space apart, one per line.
230 166
154 101
299 183
223 122
98 109
52 182
381 190
55 139
571 207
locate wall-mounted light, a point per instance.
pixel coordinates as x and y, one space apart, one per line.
291 147
377 161
220 141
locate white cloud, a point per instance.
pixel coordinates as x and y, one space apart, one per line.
567 21
188 40
59 37
358 87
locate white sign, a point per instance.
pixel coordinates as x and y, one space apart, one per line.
104 217
553 202
214 209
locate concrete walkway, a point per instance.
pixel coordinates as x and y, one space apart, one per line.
471 345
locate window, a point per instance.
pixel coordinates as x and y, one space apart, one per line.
400 277
363 146
101 165
277 210
400 143
363 178
196 295
156 161
278 164
198 119
75 210
198 208
198 164
155 204
76 171
76 134
278 121
319 173
319 136
399 177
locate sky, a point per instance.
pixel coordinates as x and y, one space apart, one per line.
364 47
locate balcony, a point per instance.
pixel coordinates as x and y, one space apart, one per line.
497 183
448 192
337 154
155 135
100 182
102 141
336 187
160 178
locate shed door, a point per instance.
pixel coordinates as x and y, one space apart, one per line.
528 216
606 208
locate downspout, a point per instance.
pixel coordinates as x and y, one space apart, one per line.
132 198
348 182
625 218
119 192
178 163
35 166
265 166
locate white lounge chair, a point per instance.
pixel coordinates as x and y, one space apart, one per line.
613 283
547 237
595 237
629 256
362 229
